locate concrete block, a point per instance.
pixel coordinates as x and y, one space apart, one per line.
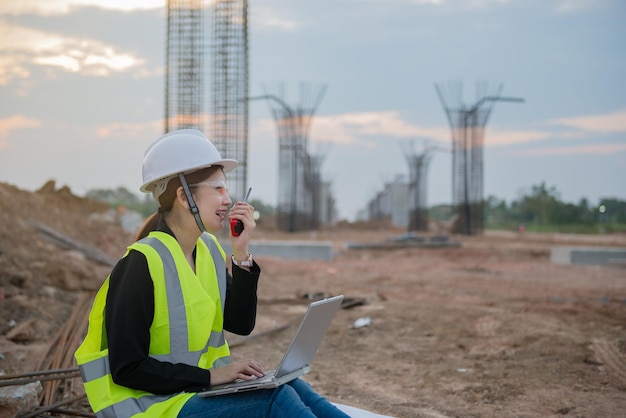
300 250
18 400
588 255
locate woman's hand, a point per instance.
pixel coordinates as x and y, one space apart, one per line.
243 212
244 370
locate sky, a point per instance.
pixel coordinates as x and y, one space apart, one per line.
82 92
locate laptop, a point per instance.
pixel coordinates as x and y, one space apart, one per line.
297 359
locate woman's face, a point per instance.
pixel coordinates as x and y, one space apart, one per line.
212 199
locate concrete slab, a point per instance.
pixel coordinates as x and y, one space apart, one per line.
300 250
588 255
408 240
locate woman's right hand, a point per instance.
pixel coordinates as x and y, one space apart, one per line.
244 370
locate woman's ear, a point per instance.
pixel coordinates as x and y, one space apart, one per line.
181 198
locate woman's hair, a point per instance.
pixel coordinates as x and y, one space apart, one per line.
167 198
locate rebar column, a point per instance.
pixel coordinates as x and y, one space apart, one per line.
185 65
229 88
418 188
207 45
468 132
295 209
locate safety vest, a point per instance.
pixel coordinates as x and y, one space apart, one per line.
193 335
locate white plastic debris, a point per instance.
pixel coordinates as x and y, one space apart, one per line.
362 322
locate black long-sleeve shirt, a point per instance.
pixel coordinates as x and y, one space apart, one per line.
129 313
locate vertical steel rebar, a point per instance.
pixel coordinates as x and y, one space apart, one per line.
207 76
468 133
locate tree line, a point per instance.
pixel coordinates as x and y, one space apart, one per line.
540 209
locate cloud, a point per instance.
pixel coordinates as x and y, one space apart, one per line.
609 123
11 68
58 7
359 129
269 17
14 123
452 4
262 128
125 131
597 149
582 126
350 128
22 47
482 4
566 6
435 2
504 138
362 128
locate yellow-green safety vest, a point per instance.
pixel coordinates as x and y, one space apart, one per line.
181 298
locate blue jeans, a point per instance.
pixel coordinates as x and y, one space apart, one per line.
294 399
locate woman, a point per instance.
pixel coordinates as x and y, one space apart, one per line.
156 329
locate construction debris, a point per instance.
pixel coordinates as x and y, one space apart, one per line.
365 321
23 332
18 400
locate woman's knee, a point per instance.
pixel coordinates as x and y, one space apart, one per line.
284 392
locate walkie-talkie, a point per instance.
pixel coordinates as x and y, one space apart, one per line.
236 226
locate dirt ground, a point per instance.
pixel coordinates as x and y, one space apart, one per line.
489 329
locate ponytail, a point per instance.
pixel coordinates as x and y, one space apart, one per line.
148 226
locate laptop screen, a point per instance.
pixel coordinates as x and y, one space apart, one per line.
310 334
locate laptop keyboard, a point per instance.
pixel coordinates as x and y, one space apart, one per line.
269 375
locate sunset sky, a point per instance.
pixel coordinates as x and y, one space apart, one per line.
82 87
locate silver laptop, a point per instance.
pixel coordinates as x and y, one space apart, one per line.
297 359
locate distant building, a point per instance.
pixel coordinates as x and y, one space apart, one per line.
392 203
327 210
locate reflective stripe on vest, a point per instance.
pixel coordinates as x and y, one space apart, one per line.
131 406
97 370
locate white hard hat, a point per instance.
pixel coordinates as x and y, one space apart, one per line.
180 151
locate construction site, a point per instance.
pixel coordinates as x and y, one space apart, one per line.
491 328
454 321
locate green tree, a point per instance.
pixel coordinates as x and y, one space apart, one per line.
566 213
614 211
496 211
542 210
586 211
540 205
